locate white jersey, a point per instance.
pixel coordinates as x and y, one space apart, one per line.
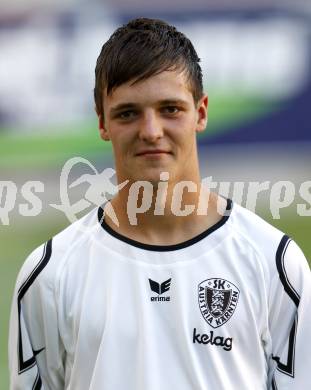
226 310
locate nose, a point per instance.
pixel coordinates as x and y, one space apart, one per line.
150 127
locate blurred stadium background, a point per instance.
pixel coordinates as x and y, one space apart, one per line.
256 58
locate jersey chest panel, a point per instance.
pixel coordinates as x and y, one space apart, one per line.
180 319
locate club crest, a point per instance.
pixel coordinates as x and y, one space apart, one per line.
218 299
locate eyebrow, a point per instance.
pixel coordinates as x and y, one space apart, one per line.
130 105
174 102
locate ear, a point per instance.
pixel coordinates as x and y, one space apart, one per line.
102 129
202 113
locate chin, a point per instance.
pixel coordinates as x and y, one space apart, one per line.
151 176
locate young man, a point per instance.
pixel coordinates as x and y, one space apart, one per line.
175 297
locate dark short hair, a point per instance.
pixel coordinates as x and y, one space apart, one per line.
143 48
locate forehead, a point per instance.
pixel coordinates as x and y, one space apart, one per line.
167 85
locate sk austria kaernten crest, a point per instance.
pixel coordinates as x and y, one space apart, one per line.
218 299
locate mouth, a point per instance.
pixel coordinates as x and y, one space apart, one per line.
154 152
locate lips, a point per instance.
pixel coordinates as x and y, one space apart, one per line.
151 152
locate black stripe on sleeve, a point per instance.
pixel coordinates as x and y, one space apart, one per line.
282 272
38 383
287 368
274 386
25 365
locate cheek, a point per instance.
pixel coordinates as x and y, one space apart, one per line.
184 131
120 138
123 148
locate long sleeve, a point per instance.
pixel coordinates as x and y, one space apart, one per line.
290 320
36 354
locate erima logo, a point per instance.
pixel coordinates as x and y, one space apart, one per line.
219 341
160 289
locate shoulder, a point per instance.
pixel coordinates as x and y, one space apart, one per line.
45 263
260 234
272 246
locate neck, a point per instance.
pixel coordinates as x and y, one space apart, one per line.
165 214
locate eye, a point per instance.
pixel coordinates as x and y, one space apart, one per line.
171 110
129 114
